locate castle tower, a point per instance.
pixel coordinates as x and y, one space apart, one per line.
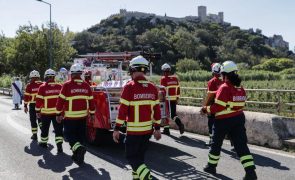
202 13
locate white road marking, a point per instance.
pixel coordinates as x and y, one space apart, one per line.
17 126
252 147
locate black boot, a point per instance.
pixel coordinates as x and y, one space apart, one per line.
210 169
80 155
250 175
179 124
59 148
166 131
34 137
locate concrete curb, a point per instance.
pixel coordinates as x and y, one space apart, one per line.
262 129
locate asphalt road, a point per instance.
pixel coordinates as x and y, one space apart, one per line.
173 157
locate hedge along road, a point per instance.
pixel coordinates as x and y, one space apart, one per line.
174 157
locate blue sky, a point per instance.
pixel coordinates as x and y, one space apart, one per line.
272 16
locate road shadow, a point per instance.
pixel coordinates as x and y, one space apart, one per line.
87 172
35 150
56 163
165 162
259 160
188 141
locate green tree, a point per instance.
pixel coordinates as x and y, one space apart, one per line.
185 65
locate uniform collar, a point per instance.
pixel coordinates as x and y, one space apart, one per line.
140 79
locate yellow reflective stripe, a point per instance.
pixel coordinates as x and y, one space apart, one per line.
152 114
213 156
232 104
48 110
144 173
90 97
219 102
144 102
76 146
27 94
225 112
58 112
37 109
91 112
62 96
140 168
173 97
212 161
76 113
243 158
119 121
211 92
157 121
77 97
51 97
147 123
143 82
251 163
139 129
125 102
39 96
136 114
208 109
53 83
172 86
78 80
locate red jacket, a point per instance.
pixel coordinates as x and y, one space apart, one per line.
75 100
47 97
139 106
229 101
90 82
172 85
31 92
213 84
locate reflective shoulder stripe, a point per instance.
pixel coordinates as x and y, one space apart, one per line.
51 97
219 102
62 96
125 102
39 96
78 80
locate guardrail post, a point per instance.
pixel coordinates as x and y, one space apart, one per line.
279 106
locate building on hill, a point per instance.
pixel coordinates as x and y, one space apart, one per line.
215 18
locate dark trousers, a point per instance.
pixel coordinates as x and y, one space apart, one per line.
33 118
211 119
235 128
75 132
58 129
173 109
135 148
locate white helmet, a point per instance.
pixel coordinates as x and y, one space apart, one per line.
63 70
49 72
166 67
34 73
228 66
138 61
76 69
215 68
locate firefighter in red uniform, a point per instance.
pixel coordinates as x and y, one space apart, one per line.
74 104
212 86
46 109
88 78
230 119
29 99
139 106
173 92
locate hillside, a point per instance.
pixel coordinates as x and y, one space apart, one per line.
178 38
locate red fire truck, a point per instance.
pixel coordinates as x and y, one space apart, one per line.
107 93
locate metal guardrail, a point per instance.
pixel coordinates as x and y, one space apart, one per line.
6 91
278 106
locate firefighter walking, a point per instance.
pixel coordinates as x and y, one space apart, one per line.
74 105
139 106
29 99
46 110
230 119
212 86
172 93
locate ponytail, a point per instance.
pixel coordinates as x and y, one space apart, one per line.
234 78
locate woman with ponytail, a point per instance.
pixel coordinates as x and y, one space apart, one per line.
230 119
